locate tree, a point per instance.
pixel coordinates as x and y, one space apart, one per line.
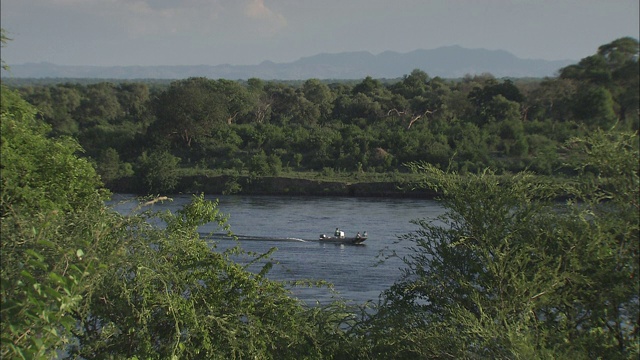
492 101
261 102
80 280
615 68
622 56
551 99
134 99
189 110
99 105
235 97
412 85
50 203
289 105
321 96
594 106
157 171
4 39
620 52
508 272
593 68
65 101
369 86
110 167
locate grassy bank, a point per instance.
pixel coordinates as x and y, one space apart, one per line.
327 183
194 181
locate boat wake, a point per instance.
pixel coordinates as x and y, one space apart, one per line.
221 236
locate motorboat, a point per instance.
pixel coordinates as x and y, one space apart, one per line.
339 238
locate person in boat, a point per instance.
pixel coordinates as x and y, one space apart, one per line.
337 233
358 235
364 234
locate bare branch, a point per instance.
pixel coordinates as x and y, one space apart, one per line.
399 113
417 117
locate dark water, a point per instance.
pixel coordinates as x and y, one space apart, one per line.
293 225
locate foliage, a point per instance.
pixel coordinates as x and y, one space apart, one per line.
49 204
509 272
111 168
80 280
166 294
468 124
157 171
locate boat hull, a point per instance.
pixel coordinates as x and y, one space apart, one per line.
357 240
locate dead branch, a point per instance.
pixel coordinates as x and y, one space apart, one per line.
417 117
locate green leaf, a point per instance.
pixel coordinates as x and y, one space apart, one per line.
35 254
58 279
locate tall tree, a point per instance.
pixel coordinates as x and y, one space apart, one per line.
321 96
615 68
99 105
188 110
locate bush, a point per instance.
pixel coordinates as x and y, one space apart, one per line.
81 281
157 172
508 272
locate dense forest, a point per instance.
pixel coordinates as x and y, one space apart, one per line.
150 132
509 272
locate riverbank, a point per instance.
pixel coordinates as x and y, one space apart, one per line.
276 185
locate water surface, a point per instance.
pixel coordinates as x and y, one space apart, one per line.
293 225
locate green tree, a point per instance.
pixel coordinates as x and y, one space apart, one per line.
508 272
594 106
290 106
188 110
157 171
110 167
622 56
615 68
65 101
134 100
99 105
412 85
496 101
321 96
50 204
551 99
260 100
79 280
58 106
237 99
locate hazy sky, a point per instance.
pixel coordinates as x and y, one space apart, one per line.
212 32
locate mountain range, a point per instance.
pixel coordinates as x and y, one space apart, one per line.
445 62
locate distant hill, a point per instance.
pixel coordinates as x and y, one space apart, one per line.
445 62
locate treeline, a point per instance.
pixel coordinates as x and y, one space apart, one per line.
139 129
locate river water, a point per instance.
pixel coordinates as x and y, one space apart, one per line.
293 225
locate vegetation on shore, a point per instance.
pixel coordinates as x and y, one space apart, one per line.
509 272
153 133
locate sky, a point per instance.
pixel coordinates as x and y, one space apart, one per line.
248 32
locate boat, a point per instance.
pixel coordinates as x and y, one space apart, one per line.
339 238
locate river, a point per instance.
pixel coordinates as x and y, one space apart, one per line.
292 225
